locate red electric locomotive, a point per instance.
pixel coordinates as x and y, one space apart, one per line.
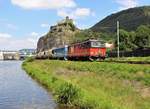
90 49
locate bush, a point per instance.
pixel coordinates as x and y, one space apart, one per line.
30 59
67 93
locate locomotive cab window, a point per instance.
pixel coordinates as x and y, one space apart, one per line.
97 44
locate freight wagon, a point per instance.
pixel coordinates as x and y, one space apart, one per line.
60 53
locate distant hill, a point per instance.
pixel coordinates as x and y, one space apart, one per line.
129 19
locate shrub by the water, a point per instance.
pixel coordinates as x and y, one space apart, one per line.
68 93
29 59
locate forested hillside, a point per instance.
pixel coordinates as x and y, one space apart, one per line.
129 19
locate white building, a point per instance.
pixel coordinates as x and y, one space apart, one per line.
109 45
1 55
9 55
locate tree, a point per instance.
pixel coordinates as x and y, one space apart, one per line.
126 40
132 40
142 39
84 35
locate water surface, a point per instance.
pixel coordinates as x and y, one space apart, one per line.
19 91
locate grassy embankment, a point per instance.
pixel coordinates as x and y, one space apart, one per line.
93 84
133 59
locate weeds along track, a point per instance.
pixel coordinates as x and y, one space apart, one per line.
129 62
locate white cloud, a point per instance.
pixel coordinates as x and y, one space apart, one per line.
82 12
125 4
5 35
44 4
44 25
63 13
75 14
8 42
34 34
33 37
64 7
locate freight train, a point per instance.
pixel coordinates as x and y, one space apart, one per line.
87 50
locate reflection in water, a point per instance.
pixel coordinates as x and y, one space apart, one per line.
19 91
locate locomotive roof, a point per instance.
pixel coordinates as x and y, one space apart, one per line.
64 46
88 40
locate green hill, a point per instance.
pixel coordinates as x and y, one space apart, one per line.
129 19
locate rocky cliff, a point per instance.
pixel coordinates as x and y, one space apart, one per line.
58 35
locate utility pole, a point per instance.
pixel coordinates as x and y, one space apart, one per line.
118 39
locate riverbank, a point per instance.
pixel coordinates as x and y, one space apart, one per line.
96 85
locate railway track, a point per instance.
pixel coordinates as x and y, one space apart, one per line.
129 62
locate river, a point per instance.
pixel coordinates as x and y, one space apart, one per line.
19 91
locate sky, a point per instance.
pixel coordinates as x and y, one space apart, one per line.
23 22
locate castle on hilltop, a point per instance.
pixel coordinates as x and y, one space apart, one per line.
59 35
65 22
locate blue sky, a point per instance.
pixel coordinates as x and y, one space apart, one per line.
22 22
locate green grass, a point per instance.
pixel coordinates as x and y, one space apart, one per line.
140 59
94 85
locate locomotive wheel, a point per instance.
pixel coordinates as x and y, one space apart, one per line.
94 59
91 59
98 59
65 58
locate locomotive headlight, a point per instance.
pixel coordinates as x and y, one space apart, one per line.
99 52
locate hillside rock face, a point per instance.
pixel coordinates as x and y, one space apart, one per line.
129 20
59 35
